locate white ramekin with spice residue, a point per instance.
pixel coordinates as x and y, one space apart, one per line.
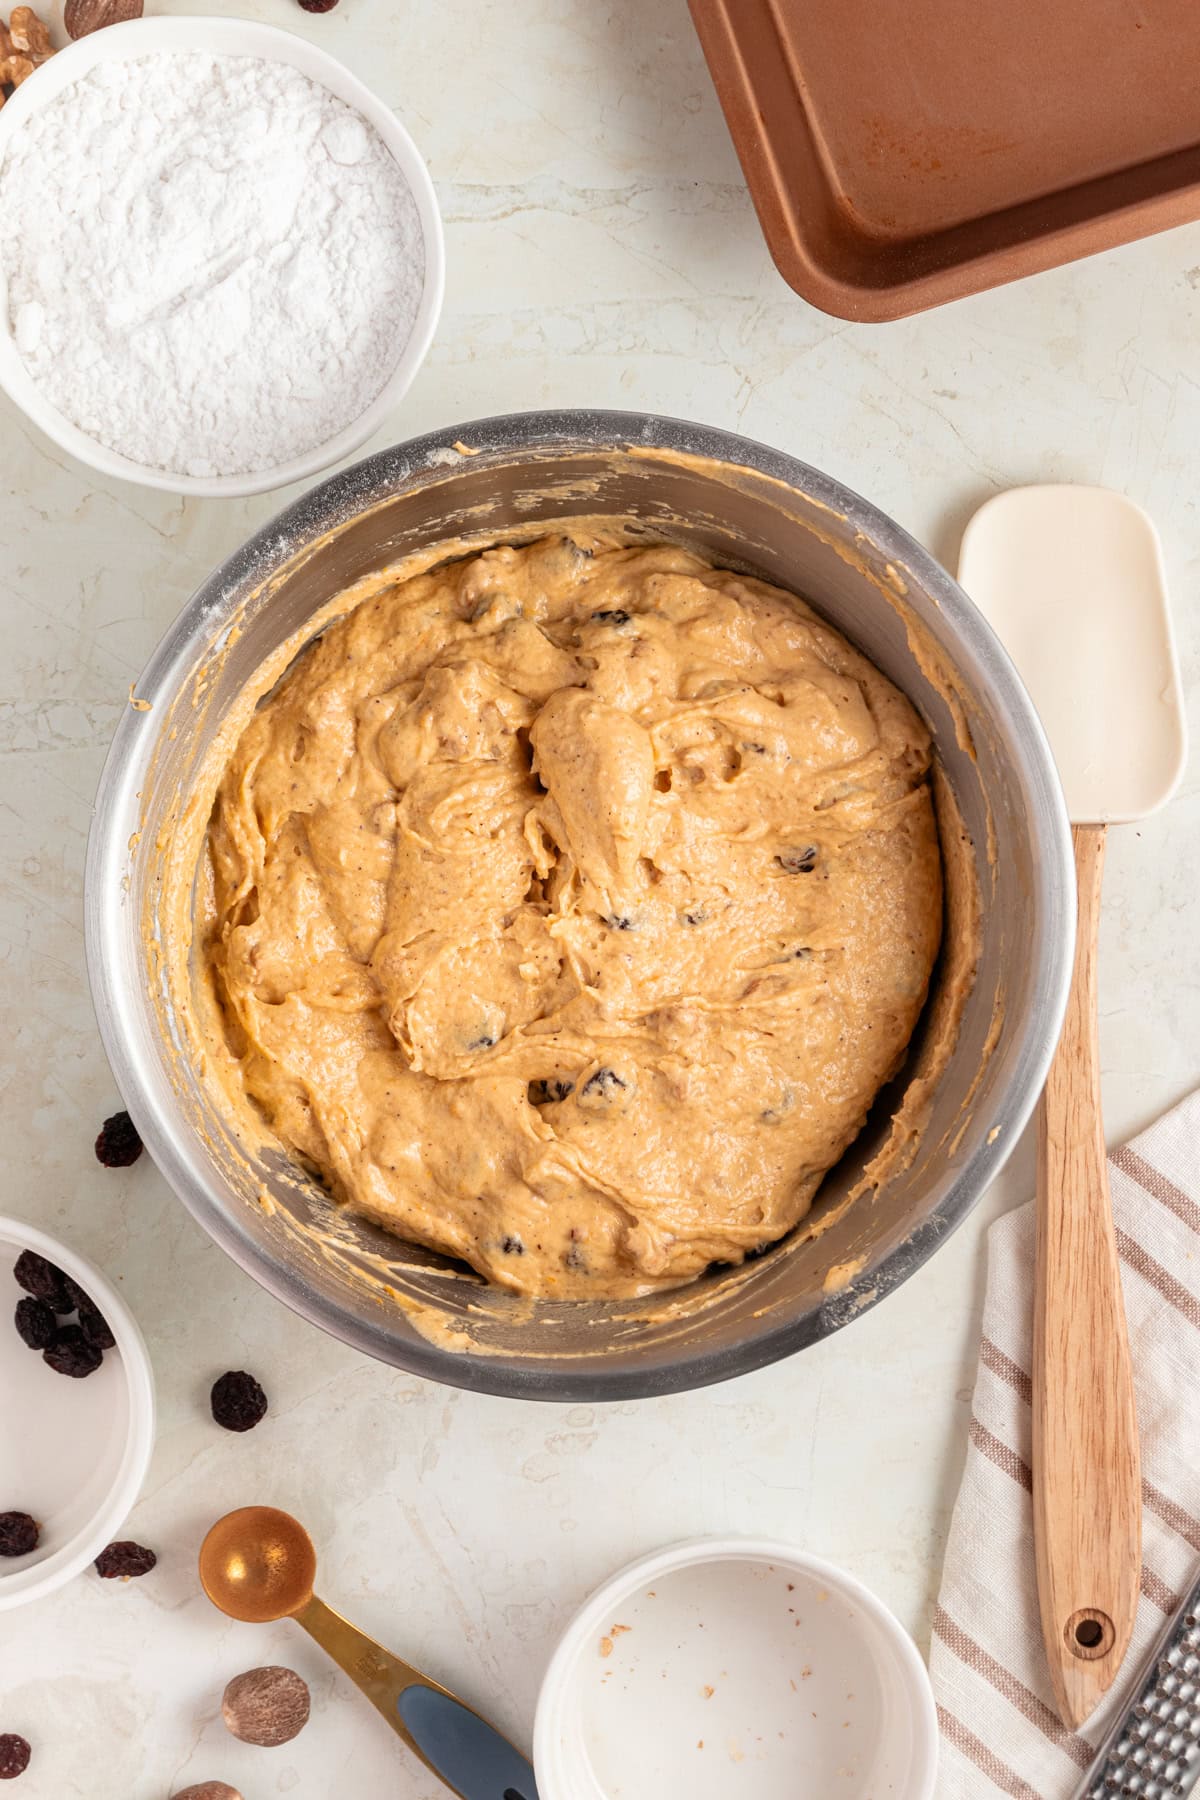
735 1669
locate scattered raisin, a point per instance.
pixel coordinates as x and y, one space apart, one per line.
602 1083
72 1354
798 862
238 1402
14 1755
575 1257
318 5
125 1559
18 1534
512 1246
36 1324
41 1279
94 1326
118 1144
546 1093
771 1115
615 616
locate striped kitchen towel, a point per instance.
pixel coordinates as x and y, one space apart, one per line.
1000 1734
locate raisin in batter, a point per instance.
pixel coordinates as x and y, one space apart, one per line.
571 905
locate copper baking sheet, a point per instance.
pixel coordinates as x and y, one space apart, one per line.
902 153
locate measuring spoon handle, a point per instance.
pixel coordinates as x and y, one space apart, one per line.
461 1748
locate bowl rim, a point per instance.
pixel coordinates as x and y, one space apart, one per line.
228 36
604 1601
40 1579
354 490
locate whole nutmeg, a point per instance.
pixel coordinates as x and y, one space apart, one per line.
84 16
266 1706
208 1790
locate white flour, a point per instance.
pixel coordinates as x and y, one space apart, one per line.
213 264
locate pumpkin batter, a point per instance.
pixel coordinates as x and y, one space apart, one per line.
570 905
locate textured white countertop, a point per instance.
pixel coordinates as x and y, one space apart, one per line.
602 251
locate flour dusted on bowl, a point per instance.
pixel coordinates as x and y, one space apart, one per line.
212 263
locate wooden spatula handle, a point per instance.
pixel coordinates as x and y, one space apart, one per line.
1087 1505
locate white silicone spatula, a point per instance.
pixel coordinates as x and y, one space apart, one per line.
1071 579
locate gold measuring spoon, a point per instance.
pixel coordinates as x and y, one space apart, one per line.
258 1564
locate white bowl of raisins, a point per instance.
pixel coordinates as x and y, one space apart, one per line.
76 1413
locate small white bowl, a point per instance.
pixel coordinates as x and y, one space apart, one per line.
735 1669
228 37
74 1453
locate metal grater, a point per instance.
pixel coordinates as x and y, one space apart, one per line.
1153 1751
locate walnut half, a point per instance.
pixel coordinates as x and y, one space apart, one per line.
14 70
30 35
24 46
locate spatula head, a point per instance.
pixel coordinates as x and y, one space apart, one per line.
1071 581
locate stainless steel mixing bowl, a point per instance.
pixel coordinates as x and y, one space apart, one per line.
741 504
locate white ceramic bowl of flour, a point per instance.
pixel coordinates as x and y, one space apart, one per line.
735 1669
370 382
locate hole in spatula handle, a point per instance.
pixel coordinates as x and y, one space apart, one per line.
1089 1634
